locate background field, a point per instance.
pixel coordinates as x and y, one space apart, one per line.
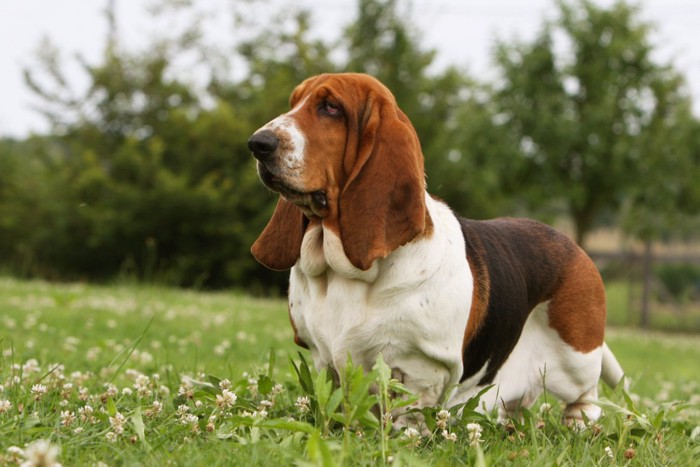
124 347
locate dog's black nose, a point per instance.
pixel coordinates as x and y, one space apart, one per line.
263 143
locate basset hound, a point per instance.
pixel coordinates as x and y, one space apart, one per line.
380 267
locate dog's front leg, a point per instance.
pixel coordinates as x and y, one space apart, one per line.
429 392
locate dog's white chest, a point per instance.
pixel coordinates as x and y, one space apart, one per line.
411 307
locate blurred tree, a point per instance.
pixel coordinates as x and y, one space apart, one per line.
148 180
11 151
591 125
667 204
277 59
150 175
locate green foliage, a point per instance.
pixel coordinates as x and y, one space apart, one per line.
594 128
149 184
682 281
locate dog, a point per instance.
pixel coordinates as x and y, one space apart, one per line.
380 267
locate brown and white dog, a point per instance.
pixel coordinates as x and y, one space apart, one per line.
378 266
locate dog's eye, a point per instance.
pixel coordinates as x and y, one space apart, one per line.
329 108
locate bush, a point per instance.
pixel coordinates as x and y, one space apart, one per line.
682 281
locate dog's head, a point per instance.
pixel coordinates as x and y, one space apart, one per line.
347 156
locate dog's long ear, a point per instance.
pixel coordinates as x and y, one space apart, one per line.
382 205
279 245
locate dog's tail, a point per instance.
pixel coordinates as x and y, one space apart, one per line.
612 373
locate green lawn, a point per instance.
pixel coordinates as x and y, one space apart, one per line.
132 375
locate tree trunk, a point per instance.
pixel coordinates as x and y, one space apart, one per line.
646 287
582 225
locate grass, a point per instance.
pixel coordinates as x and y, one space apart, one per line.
127 375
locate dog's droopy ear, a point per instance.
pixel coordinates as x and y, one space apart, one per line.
383 204
279 245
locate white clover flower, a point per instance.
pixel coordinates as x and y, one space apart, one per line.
198 404
78 377
93 353
85 413
266 404
127 392
211 423
143 392
5 406
117 423
142 380
303 403
182 410
443 418
474 430
145 358
38 390
413 436
189 419
155 409
226 399
111 437
449 436
56 370
15 451
609 452
67 417
545 408
225 384
41 453
10 323
253 386
31 366
111 390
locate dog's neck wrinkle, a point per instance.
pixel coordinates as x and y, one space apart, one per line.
322 252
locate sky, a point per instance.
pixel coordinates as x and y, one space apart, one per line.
462 31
